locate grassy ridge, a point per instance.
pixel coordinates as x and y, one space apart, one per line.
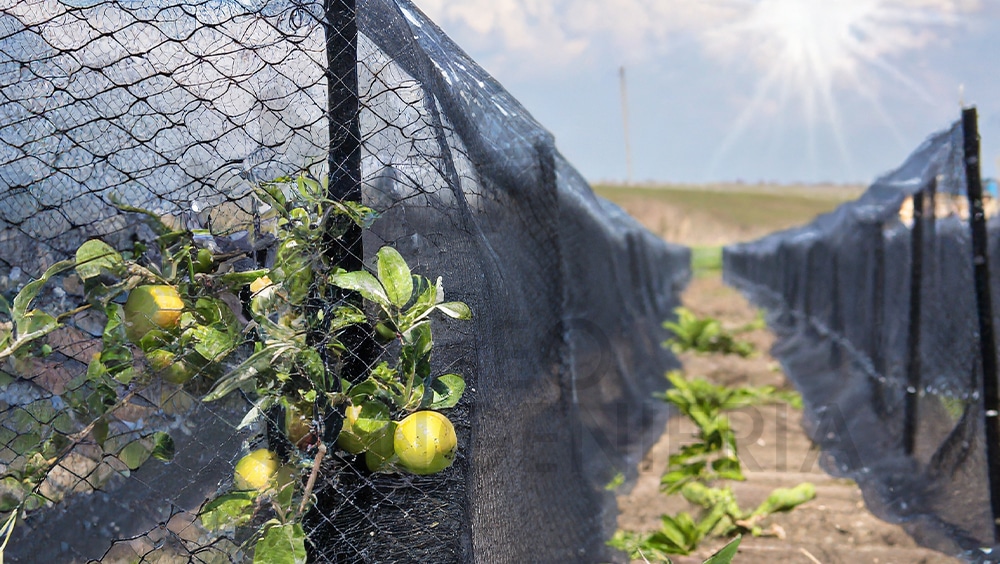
763 207
706 260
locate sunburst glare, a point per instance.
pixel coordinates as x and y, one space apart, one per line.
812 52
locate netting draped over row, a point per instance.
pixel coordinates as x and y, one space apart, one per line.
177 108
875 308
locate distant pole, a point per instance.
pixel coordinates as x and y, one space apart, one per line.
628 146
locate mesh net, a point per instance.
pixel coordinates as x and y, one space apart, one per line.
120 116
875 308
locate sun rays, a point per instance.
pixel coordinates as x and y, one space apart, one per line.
809 54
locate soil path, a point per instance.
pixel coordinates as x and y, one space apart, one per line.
833 528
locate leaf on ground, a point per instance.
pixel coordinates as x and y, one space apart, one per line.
725 556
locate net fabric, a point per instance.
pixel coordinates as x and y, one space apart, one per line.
857 343
177 108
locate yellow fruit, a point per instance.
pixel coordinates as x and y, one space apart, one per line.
259 284
203 261
425 442
151 307
166 365
264 294
298 422
284 482
363 425
381 449
160 359
257 470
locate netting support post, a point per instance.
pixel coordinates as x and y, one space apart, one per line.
344 165
984 304
913 367
343 106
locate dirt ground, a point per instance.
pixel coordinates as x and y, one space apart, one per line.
833 528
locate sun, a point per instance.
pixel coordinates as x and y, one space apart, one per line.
819 36
809 53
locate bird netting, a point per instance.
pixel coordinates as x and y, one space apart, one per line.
195 200
879 326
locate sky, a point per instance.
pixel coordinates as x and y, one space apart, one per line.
739 90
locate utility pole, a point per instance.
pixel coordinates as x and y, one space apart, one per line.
628 146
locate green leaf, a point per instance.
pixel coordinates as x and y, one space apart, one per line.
12 492
272 194
247 370
419 340
34 325
210 342
135 454
281 544
448 390
116 354
358 213
648 548
257 411
235 279
346 315
310 364
374 415
96 369
786 499
726 554
455 310
426 296
96 257
728 468
229 510
31 289
100 431
680 531
309 188
163 446
363 283
700 494
367 389
395 276
155 339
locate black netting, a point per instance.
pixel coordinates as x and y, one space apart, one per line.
181 109
875 308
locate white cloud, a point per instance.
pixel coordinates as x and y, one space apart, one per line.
539 36
543 35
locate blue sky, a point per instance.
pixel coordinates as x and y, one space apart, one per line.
752 90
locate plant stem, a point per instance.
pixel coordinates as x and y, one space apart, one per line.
320 453
69 314
9 527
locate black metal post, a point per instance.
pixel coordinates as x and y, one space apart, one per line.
343 238
344 157
913 367
984 303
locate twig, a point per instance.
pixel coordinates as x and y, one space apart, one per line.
320 453
809 555
8 526
69 314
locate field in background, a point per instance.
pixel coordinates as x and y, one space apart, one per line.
718 214
835 528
